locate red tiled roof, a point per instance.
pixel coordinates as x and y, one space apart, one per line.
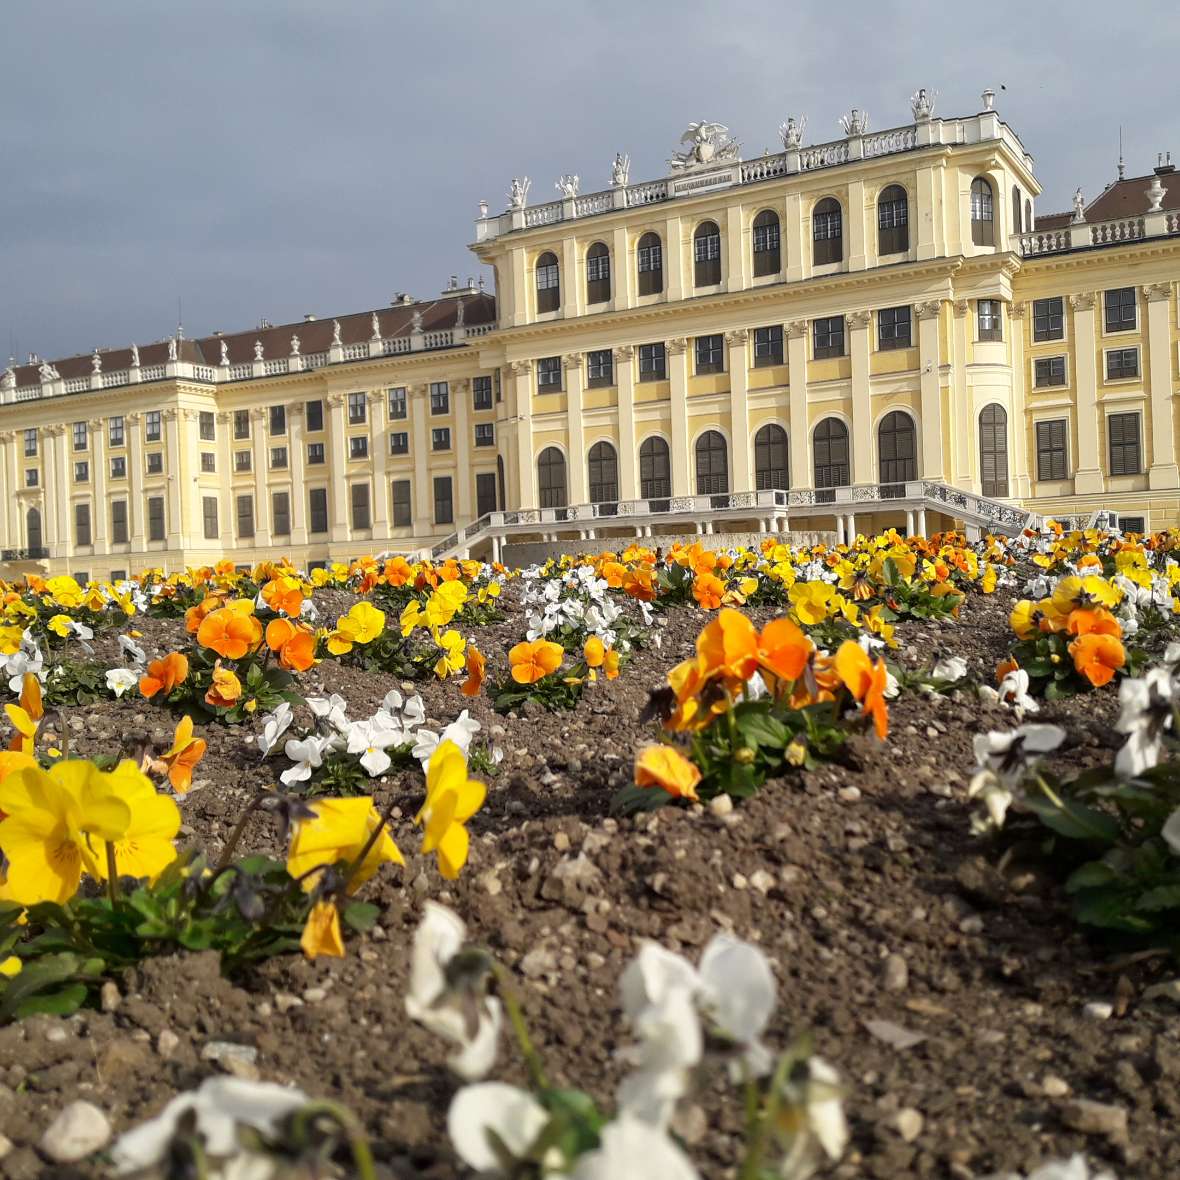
1052 220
314 336
1128 198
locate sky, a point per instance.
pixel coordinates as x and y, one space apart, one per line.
273 158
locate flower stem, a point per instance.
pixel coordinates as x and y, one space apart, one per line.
358 1144
236 835
112 875
374 836
532 1059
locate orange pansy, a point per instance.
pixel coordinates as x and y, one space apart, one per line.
164 675
533 661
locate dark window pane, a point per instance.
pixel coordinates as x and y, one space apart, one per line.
768 346
993 450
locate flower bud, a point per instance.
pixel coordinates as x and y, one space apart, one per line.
743 756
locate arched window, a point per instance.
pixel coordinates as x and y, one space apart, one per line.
771 465
767 245
827 232
548 283
993 450
33 536
897 448
706 255
712 464
604 473
1016 210
649 257
1028 220
598 273
982 212
830 448
551 478
655 469
893 221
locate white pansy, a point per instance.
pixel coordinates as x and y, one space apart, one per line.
651 976
819 1126
950 668
1013 690
1171 831
371 739
307 754
219 1106
513 1115
737 995
274 725
472 1021
1010 753
1074 1168
119 680
1146 711
132 649
670 1047
333 710
631 1149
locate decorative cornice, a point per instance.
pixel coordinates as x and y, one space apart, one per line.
336 399
520 368
1083 301
624 352
572 360
962 307
737 336
1017 311
859 319
677 345
928 309
1154 292
796 329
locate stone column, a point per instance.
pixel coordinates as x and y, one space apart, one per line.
737 257
380 495
464 468
963 436
862 408
573 363
1088 476
101 510
136 508
1163 472
856 226
573 288
175 473
801 469
622 271
624 360
931 460
225 486
739 408
423 500
678 379
261 441
522 394
674 281
52 477
1019 476
338 525
298 459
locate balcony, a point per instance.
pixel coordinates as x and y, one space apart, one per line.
35 553
1084 235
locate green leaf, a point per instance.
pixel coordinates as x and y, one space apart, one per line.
1162 897
631 799
360 915
1090 875
1074 820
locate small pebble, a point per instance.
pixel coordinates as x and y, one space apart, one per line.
1098 1010
910 1123
895 974
1054 1087
313 995
78 1131
109 996
167 1042
721 805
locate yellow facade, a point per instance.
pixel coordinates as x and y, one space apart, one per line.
888 302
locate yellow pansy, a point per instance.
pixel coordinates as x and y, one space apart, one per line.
60 625
339 831
452 653
411 617
64 591
812 601
363 623
10 638
451 800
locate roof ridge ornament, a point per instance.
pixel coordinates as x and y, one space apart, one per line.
708 144
1155 194
791 132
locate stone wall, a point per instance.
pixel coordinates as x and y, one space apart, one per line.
535 552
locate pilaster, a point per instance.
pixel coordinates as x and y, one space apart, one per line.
261 441
857 217
101 509
801 470
522 391
1088 476
931 462
1019 475
622 271
379 451
678 380
862 407
673 260
574 368
739 408
176 471
136 507
9 537
298 460
794 240
423 498
464 468
624 361
737 257
225 483
338 466
961 417
573 286
1163 472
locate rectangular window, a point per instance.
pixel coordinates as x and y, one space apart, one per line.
241 423
827 337
710 354
1049 319
207 426
481 393
243 460
317 510
600 367
119 522
115 431
893 328
440 438
30 442
208 462
278 419
485 434
402 513
485 493
118 576
278 458
155 515
358 446
209 517
356 409
315 453
653 362
360 506
81 472
1121 305
280 514
549 374
399 443
1122 363
151 426
1122 433
1132 524
397 402
245 507
32 477
1052 457
81 438
1049 370
155 462
314 412
118 467
440 397
989 319
81 524
443 510
768 346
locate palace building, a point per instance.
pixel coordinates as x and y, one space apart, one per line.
879 330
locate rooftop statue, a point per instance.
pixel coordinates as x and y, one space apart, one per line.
224 353
922 104
791 132
337 342
376 326
708 143
258 350
856 122
1079 207
294 345
135 356
172 348
518 194
620 170
96 362
567 184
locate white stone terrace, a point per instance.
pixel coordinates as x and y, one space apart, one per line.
1084 235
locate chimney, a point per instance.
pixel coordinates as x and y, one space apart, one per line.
1164 165
308 318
